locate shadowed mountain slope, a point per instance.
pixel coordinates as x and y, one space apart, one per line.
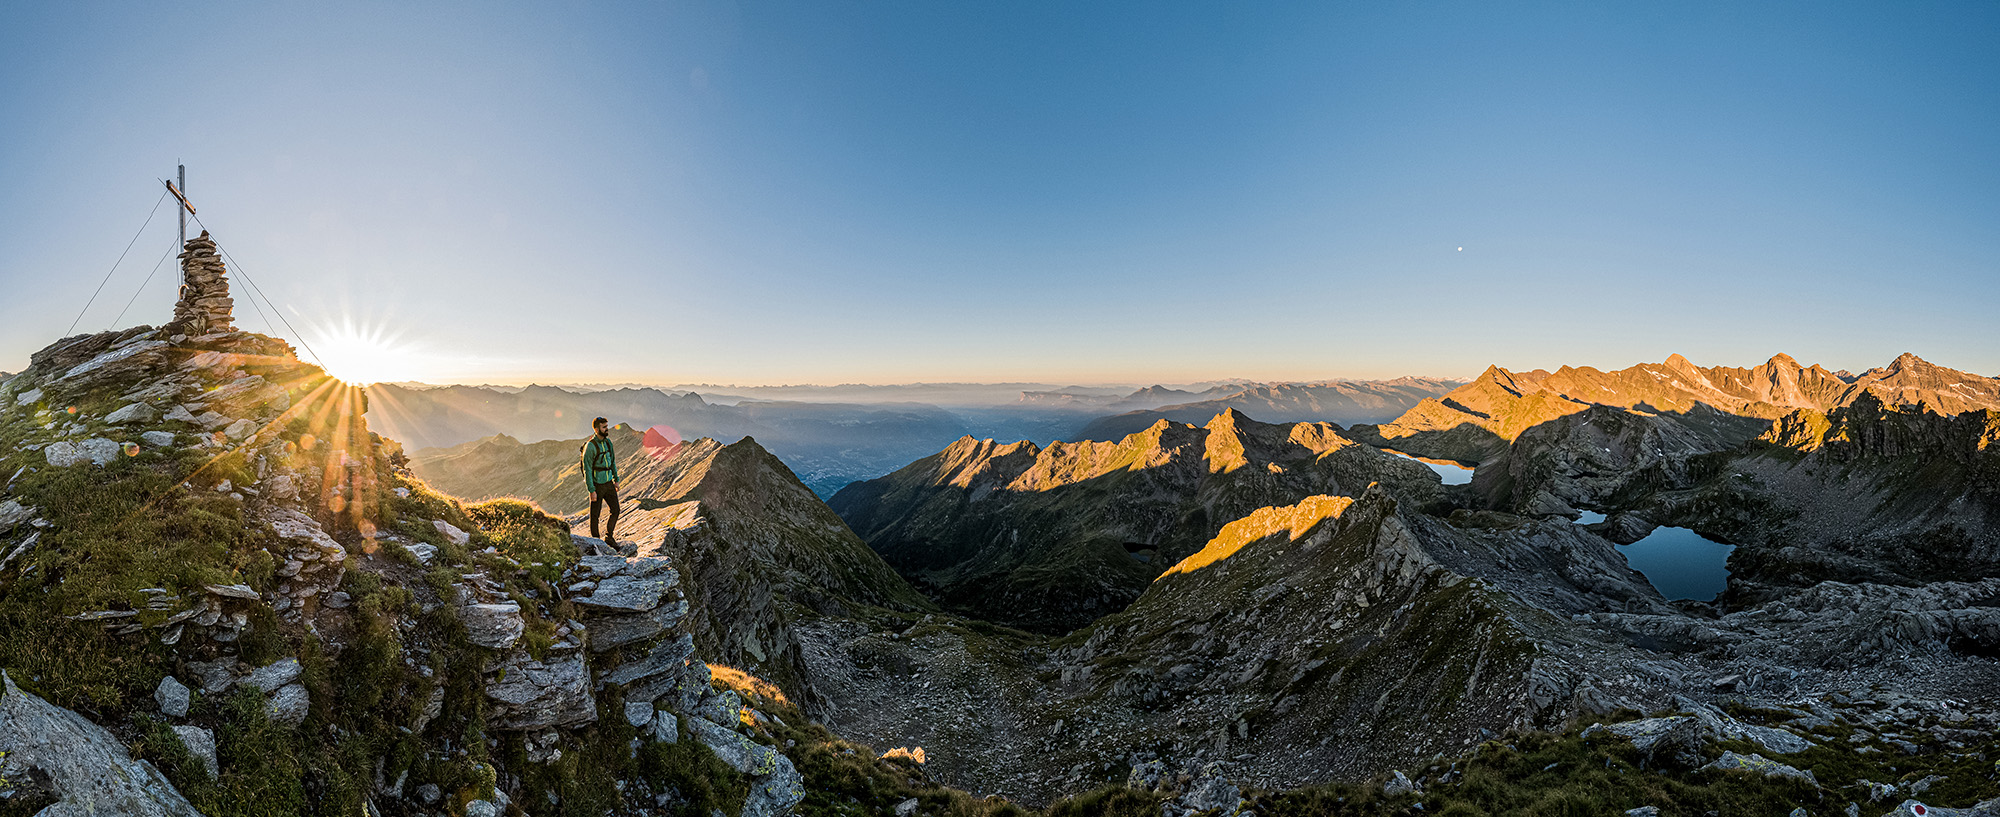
1051 538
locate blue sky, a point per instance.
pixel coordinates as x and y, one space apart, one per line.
1063 192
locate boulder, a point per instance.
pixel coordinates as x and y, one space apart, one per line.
777 791
96 451
27 397
451 532
85 765
494 626
1758 764
173 697
157 439
200 743
720 706
639 713
1686 734
734 750
1210 792
1913 808
1147 776
528 694
289 705
134 413
277 674
666 727
1399 784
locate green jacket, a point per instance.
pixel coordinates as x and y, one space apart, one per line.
600 464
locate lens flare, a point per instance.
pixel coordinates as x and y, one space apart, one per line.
363 356
662 442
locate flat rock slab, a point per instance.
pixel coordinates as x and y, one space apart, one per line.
134 413
664 659
612 632
277 674
89 768
631 594
96 451
636 567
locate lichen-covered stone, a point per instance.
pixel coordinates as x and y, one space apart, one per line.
87 766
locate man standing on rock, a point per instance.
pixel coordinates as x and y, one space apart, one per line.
600 478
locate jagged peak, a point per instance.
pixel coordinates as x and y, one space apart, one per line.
1678 361
1230 418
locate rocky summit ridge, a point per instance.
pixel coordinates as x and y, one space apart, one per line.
1474 422
1052 538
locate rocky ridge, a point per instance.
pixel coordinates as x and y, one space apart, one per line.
352 601
1475 422
1052 538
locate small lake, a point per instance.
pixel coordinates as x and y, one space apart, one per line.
1452 473
1680 563
1589 518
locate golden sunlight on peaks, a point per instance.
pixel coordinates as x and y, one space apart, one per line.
1262 524
362 357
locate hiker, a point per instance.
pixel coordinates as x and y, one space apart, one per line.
600 478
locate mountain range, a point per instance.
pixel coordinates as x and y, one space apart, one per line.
1339 401
1053 537
1474 422
832 444
1243 615
1309 606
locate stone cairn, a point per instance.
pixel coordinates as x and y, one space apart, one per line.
205 306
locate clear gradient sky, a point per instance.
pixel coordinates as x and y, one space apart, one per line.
1063 192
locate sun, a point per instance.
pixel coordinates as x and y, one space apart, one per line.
364 357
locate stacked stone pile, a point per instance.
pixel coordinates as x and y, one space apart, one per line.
205 307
